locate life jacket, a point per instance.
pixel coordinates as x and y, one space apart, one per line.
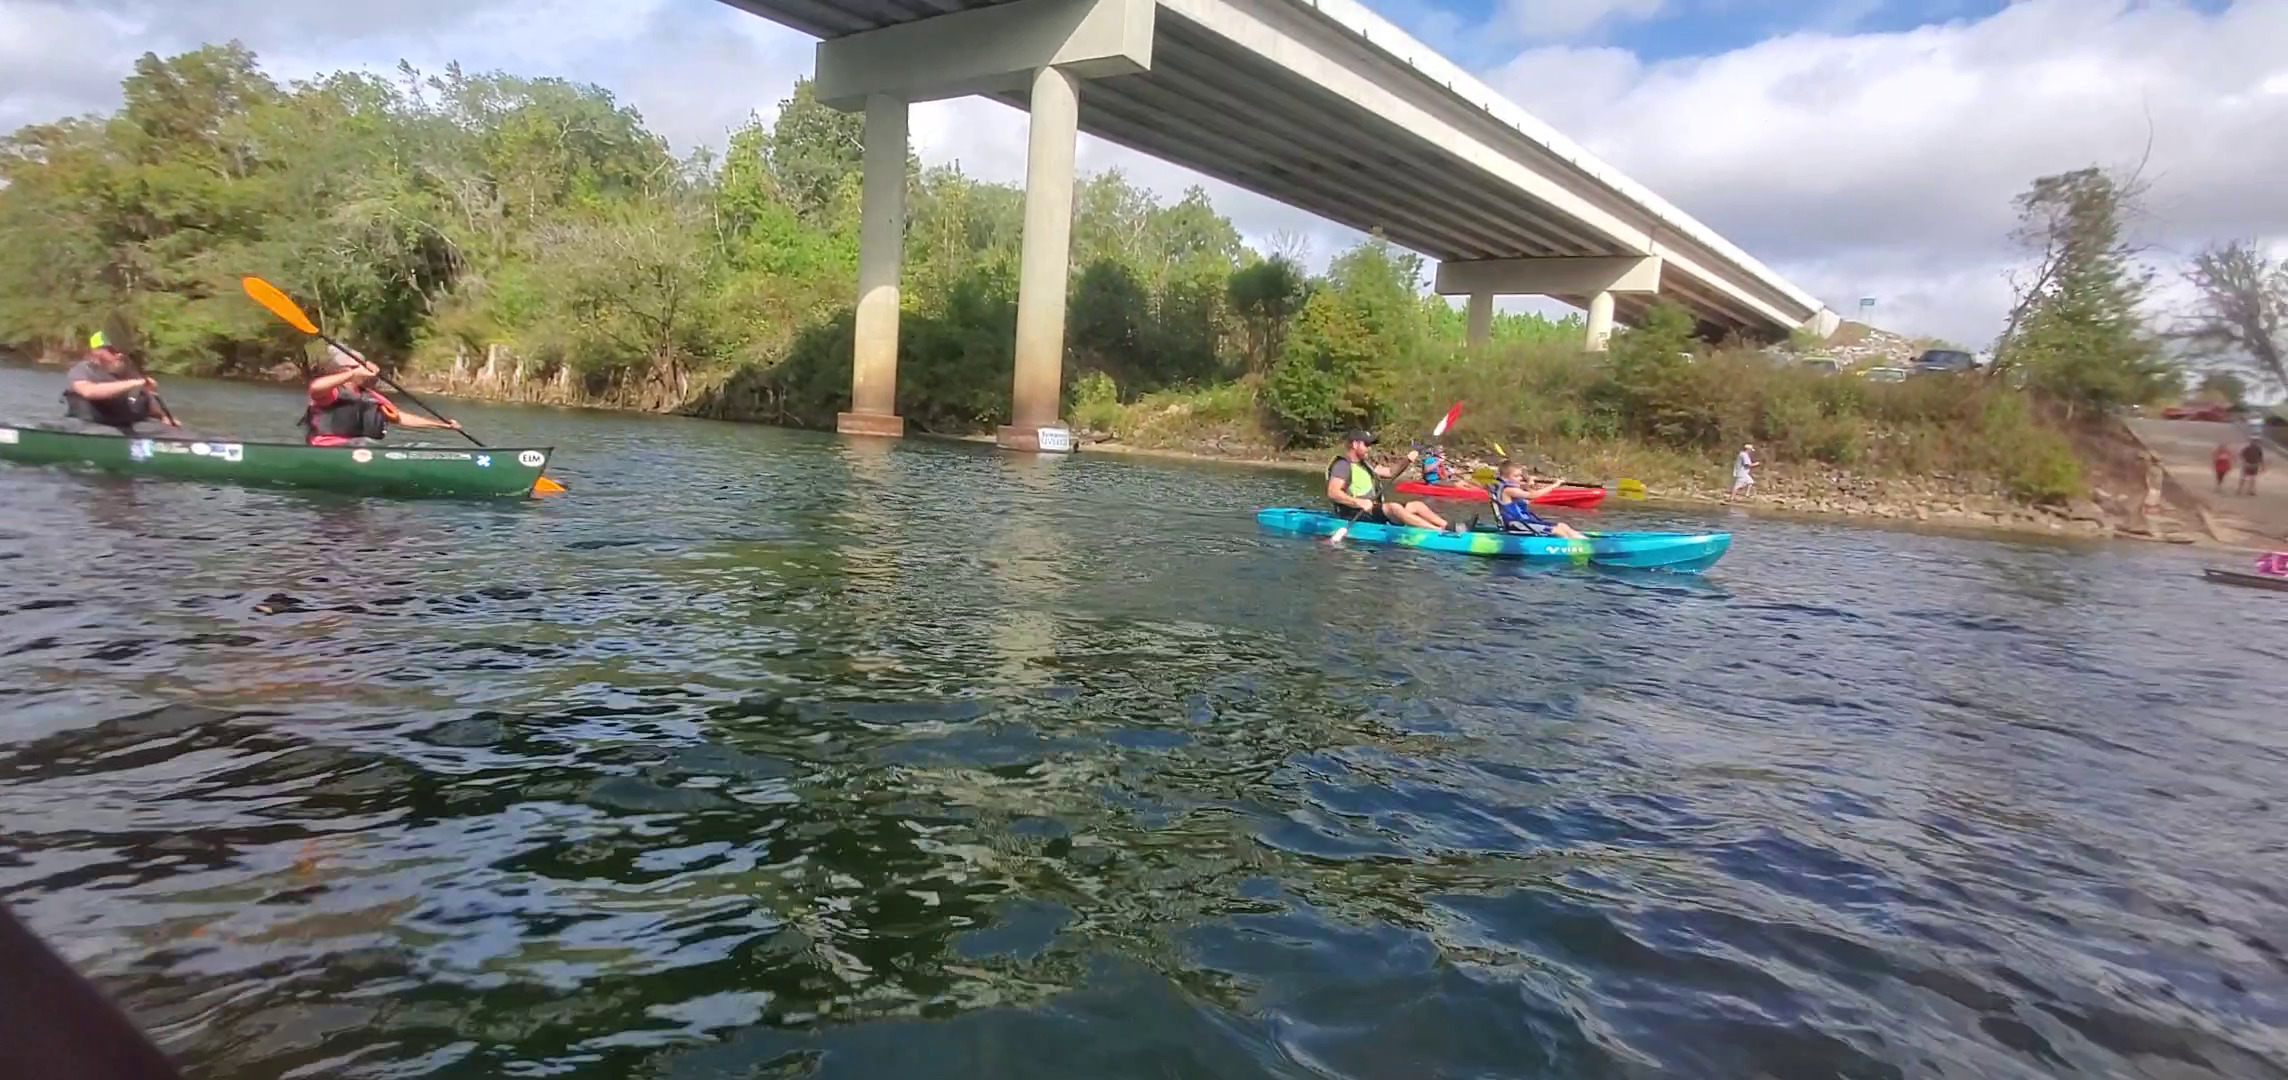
1433 469
1515 515
353 414
1362 484
122 411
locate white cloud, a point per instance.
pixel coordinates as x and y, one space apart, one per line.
1884 164
1564 20
1868 164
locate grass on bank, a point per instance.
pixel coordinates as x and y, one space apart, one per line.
1667 421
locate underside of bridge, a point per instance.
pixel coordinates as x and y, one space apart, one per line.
1327 124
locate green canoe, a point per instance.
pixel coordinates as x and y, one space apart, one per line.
497 471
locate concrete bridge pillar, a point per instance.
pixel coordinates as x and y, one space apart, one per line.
1045 260
881 255
1595 279
1040 47
1600 320
1481 319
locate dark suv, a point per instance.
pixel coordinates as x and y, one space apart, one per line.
1944 362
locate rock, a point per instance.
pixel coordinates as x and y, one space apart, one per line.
2084 510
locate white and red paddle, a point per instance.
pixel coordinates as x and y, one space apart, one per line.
1438 432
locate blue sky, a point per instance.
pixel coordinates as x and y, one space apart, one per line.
1859 147
1671 30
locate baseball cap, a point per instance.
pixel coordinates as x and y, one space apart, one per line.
1360 435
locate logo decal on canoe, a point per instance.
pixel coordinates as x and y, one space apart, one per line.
138 449
394 455
361 456
484 461
8 435
232 452
201 449
531 459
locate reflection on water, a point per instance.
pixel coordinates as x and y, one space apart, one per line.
773 754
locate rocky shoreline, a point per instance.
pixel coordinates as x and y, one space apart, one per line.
1829 494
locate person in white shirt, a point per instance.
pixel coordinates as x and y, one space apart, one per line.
1742 479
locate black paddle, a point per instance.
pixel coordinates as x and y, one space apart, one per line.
1444 422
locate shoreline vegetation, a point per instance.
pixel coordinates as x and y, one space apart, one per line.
529 240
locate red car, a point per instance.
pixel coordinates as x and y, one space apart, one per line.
2215 414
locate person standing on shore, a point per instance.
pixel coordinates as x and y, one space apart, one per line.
1743 480
2251 463
2223 463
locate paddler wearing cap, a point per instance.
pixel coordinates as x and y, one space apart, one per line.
345 408
103 388
1352 487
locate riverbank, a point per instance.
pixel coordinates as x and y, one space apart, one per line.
1799 492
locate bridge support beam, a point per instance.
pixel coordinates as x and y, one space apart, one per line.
1042 46
1045 259
1481 319
1596 278
881 255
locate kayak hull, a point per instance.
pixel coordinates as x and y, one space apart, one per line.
1578 497
1680 552
415 471
2253 581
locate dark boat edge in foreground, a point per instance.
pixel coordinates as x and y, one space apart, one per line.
2242 577
429 471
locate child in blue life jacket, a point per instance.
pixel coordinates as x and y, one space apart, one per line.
1434 465
1512 499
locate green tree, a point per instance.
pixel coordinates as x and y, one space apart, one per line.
2242 311
816 153
1265 296
2076 335
1332 374
2225 388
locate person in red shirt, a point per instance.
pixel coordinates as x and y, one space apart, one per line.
344 407
2223 463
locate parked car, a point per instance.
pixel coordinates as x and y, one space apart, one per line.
1944 362
1822 365
1884 374
2209 413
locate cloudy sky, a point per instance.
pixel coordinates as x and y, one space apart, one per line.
1860 147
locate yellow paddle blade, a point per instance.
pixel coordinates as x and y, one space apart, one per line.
1499 450
267 295
1629 489
544 487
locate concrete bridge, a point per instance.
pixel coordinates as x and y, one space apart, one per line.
1320 104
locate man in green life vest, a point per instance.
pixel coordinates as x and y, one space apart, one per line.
1352 487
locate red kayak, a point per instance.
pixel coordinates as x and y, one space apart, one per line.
1581 497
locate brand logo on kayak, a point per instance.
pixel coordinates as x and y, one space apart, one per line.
484 461
394 455
8 435
138 449
232 452
531 459
361 456
201 449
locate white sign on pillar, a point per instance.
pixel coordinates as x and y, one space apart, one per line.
1055 440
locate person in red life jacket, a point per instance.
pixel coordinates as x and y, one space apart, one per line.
2222 461
345 408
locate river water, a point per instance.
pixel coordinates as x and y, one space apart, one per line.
767 754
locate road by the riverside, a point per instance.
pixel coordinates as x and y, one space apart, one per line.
2186 447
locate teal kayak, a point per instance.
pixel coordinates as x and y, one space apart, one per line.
1682 552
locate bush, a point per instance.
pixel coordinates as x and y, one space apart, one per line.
1095 403
1330 376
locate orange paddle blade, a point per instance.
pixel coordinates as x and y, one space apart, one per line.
544 487
268 295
